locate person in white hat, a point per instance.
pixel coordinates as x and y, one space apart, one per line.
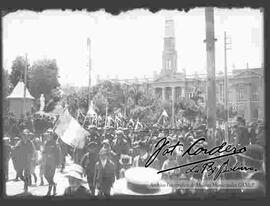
76 181
125 162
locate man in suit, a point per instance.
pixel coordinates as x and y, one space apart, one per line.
142 158
104 176
51 154
88 163
242 135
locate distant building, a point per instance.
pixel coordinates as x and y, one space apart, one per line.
16 101
245 86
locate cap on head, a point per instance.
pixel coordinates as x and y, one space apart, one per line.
26 132
103 151
125 160
119 133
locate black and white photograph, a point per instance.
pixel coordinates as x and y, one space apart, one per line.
166 104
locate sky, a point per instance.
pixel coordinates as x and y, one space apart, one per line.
130 44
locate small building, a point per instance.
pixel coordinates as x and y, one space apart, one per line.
16 101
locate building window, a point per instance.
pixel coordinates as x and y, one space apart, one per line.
221 92
241 93
255 93
229 95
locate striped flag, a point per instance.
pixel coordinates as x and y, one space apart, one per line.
70 131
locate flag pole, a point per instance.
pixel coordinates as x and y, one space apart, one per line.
89 80
89 65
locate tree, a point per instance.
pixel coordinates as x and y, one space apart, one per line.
43 79
18 70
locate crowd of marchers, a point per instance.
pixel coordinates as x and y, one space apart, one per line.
110 151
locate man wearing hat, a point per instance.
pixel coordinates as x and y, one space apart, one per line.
104 176
260 137
242 135
88 162
75 179
51 154
141 159
252 132
26 150
119 146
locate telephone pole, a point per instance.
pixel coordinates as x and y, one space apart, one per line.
90 69
226 43
211 75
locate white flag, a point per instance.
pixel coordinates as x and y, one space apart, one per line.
75 134
70 131
91 111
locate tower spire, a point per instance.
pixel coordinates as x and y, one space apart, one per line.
169 57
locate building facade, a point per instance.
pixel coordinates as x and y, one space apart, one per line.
245 86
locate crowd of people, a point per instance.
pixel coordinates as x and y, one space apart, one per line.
110 151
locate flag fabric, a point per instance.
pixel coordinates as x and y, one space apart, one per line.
70 131
131 122
108 121
62 123
164 113
91 111
138 124
118 121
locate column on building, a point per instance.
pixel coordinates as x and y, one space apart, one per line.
183 92
261 99
249 102
163 93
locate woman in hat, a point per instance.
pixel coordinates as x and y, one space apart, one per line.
75 180
125 162
104 176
